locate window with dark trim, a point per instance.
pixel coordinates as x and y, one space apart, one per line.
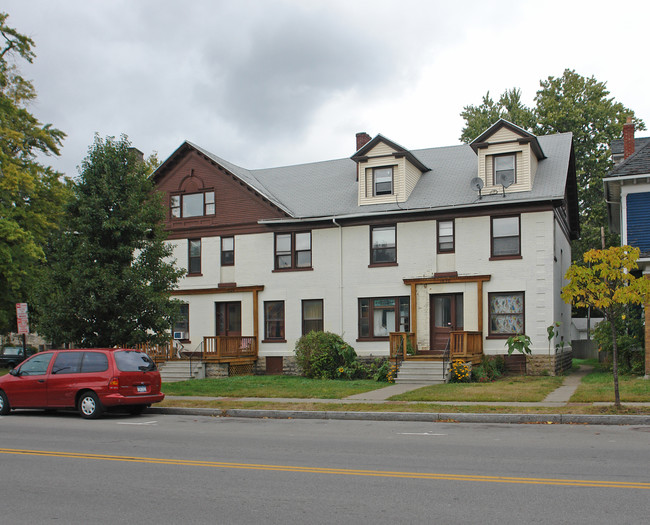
273 321
379 316
181 327
506 313
505 237
382 181
312 315
194 256
383 245
293 251
504 166
192 204
446 236
227 251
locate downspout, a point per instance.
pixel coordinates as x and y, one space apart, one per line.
340 277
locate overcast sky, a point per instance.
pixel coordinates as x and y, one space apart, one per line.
266 83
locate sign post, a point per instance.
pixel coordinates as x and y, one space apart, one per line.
22 316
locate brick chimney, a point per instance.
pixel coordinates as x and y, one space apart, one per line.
363 138
628 138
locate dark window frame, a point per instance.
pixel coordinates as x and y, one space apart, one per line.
453 236
377 193
178 206
320 321
495 256
269 337
191 271
370 335
374 251
504 335
184 320
494 166
292 252
228 256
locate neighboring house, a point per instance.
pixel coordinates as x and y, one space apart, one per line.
470 240
627 193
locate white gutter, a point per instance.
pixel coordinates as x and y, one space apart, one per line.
341 331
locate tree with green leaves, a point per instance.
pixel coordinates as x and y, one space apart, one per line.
109 277
32 195
606 281
569 103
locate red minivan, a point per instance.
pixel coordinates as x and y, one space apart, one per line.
90 380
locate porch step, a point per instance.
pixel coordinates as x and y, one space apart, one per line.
425 372
172 371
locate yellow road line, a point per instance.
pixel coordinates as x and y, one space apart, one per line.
339 471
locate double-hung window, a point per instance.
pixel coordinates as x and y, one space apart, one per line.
382 183
293 251
273 321
504 169
446 236
192 204
383 245
312 316
506 239
182 323
227 251
379 316
506 311
194 256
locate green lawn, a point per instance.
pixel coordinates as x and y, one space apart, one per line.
4 371
511 388
270 386
598 386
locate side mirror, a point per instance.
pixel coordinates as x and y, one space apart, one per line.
14 372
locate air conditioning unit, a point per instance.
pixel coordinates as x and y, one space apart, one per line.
180 335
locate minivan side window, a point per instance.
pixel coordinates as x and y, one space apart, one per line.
133 362
36 366
94 362
67 363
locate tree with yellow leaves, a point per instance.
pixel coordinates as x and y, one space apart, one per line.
606 282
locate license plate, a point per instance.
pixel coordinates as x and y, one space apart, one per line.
141 388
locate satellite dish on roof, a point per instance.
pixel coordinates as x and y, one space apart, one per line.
506 178
477 185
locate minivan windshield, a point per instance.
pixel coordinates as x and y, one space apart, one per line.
132 361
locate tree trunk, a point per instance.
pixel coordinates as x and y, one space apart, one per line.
617 398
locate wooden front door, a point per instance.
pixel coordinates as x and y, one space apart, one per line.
228 318
445 315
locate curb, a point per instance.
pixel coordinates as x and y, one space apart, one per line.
431 417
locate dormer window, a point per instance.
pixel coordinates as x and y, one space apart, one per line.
504 169
383 180
192 204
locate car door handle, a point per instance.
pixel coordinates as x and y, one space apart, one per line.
41 380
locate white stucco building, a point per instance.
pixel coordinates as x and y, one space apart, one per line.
472 240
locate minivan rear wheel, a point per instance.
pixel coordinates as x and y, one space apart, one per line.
4 404
90 407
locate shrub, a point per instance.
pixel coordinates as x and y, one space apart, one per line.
324 355
491 368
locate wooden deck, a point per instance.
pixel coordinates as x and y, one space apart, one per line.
466 346
236 350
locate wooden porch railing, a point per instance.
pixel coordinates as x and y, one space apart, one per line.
399 342
158 352
229 347
467 346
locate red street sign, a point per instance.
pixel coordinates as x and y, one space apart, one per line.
23 318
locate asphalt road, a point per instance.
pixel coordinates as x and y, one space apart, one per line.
191 469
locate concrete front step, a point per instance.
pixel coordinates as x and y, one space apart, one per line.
431 372
172 371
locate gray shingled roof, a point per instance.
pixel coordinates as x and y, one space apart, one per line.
618 147
636 164
329 188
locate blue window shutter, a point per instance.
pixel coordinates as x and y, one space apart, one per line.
638 221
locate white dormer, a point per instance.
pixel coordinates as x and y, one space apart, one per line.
386 172
507 156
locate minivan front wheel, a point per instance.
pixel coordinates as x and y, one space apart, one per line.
89 406
4 404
